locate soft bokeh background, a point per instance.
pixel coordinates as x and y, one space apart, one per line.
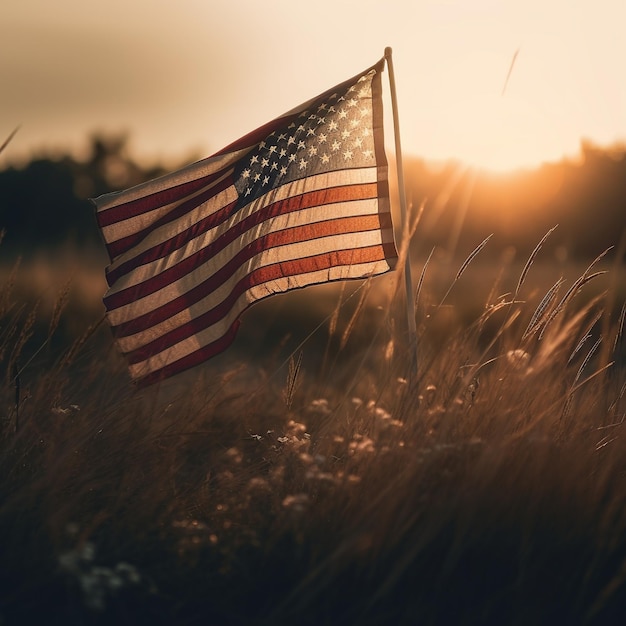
191 76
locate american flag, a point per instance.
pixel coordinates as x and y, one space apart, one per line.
302 200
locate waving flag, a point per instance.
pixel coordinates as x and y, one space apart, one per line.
302 200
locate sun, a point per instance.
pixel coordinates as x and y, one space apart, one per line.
501 132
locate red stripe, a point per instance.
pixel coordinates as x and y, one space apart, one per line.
152 201
193 359
205 288
120 246
186 266
260 276
283 207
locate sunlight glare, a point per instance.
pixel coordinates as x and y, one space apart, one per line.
503 133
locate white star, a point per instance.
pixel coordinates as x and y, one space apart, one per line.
347 155
273 149
283 170
282 136
262 145
257 176
248 191
254 159
351 102
301 128
345 134
264 162
273 166
303 164
322 107
343 114
325 158
332 125
266 179
292 158
301 145
282 152
310 131
291 140
367 154
321 120
322 137
354 123
336 145
312 150
245 173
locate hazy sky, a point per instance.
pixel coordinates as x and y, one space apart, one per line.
193 75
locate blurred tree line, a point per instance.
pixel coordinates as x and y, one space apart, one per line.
44 204
585 197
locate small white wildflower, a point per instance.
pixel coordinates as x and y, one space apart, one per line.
234 454
320 406
381 413
362 444
258 483
357 402
296 502
296 427
518 359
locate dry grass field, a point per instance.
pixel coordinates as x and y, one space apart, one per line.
307 476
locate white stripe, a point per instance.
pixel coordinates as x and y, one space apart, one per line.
212 333
138 223
312 215
270 256
187 174
313 183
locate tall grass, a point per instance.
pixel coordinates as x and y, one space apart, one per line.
489 490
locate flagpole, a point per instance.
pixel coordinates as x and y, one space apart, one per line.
408 281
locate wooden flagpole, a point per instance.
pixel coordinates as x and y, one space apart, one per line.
408 281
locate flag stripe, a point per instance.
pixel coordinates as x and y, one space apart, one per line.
148 316
162 232
280 258
190 360
148 279
200 170
124 236
159 200
260 276
221 239
301 240
344 264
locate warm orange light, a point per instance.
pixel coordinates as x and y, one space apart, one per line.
502 133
